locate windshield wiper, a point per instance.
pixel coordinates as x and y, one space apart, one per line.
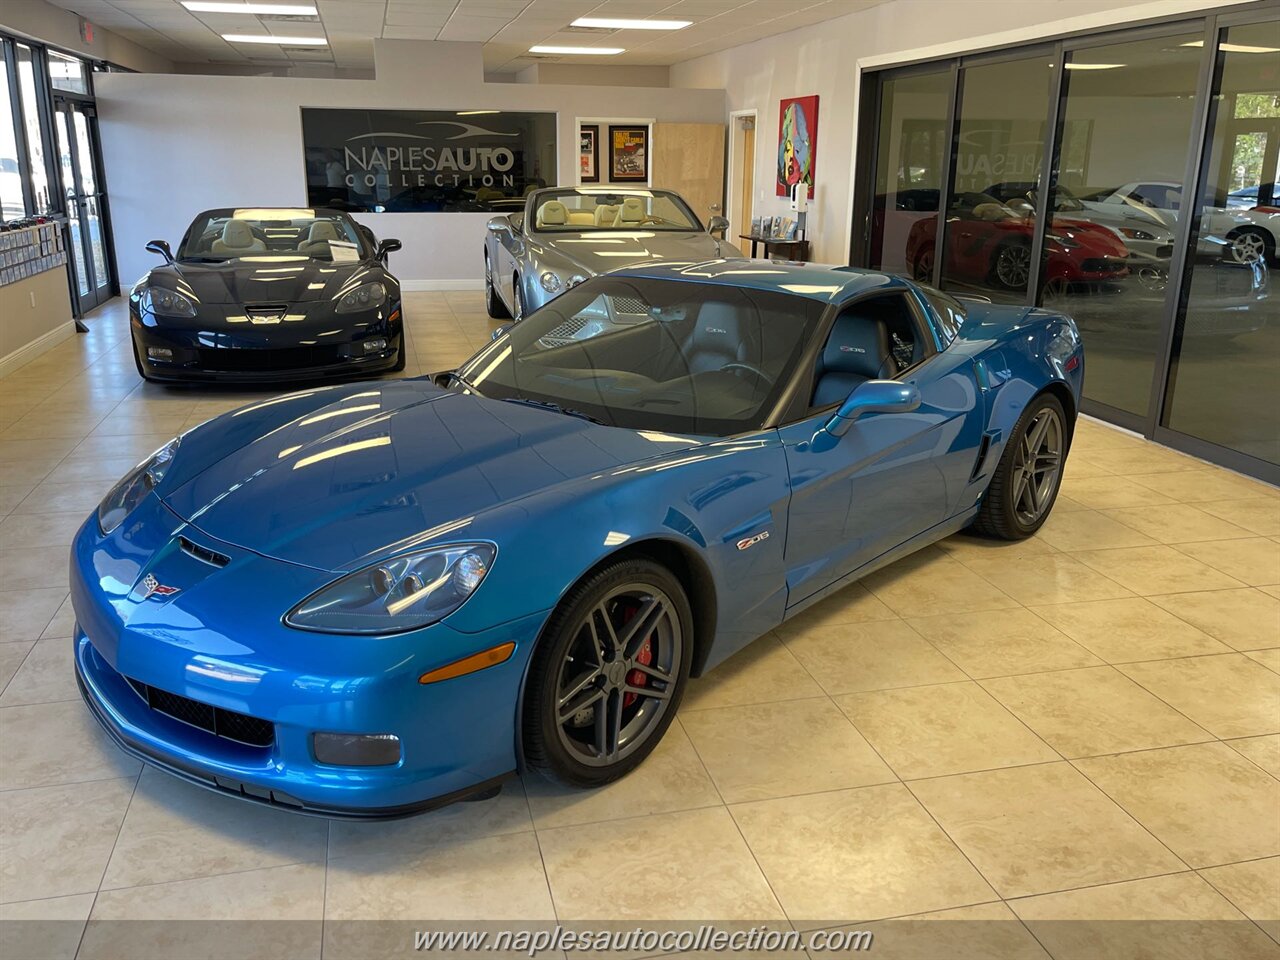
549 405
451 376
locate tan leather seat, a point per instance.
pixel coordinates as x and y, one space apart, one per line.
632 213
318 237
237 239
553 213
607 214
991 212
582 218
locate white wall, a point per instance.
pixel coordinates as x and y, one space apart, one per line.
51 24
174 145
827 59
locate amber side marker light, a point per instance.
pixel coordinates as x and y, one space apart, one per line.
477 661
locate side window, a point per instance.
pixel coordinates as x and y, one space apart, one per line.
875 338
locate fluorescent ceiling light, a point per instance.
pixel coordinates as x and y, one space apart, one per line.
278 9
475 113
572 51
622 23
269 38
1095 66
1235 47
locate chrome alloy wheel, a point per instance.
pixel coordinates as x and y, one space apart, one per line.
616 681
1013 265
1248 246
1037 466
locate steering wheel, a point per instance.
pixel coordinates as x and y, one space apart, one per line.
751 369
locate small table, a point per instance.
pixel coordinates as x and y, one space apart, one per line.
796 249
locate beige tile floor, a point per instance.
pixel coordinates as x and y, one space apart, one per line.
1083 727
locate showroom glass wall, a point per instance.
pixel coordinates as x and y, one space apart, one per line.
1178 301
50 161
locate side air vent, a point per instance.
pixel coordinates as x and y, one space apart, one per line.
983 449
203 554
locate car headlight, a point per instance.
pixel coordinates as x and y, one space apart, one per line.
167 303
401 594
134 486
1065 242
576 279
551 282
363 297
1133 234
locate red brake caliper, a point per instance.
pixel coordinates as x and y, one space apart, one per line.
638 678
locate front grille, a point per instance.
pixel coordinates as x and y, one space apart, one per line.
251 360
266 311
1164 251
1103 265
221 723
563 334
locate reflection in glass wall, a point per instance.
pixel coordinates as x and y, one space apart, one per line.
911 142
31 117
1126 130
12 204
1224 386
990 220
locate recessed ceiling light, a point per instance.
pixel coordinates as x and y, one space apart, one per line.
1235 47
278 9
1095 66
475 113
270 38
617 23
585 51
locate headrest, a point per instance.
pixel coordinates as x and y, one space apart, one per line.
859 345
990 211
238 234
632 210
606 214
322 231
718 327
553 213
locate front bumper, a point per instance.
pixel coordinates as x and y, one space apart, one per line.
267 355
456 737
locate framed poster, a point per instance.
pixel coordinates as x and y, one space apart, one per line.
628 153
425 160
797 143
588 154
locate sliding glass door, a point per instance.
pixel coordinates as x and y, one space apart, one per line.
84 199
1127 178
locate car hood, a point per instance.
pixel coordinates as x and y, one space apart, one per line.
373 470
263 279
599 251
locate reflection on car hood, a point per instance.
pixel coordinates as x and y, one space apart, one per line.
598 251
265 279
367 469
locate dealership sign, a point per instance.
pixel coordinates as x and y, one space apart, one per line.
425 160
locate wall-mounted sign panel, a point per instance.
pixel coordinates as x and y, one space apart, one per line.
426 160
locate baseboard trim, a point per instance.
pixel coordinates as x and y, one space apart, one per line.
424 286
41 344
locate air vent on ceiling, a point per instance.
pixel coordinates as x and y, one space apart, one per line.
595 31
543 57
308 51
287 18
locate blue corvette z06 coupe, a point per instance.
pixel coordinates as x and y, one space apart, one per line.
366 600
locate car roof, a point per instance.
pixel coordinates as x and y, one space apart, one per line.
827 283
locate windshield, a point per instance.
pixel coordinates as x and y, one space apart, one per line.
573 211
677 356
316 234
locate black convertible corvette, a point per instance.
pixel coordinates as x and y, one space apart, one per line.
263 294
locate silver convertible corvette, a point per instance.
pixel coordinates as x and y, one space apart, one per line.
566 234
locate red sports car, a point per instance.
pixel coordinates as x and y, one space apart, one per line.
990 243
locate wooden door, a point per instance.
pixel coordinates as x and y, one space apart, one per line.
745 175
689 159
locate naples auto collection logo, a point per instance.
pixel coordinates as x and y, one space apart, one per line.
371 163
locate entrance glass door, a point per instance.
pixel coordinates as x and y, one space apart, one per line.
78 169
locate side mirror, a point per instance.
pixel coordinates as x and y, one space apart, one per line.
499 225
500 331
161 247
874 396
387 246
717 225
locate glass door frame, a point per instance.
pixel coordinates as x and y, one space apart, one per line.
1211 24
104 288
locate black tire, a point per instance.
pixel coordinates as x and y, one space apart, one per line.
1011 265
518 314
497 310
137 362
1002 514
402 358
547 738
